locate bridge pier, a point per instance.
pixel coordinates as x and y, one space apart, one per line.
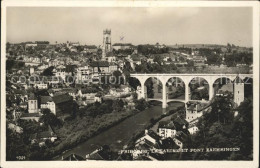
211 90
187 91
164 96
142 89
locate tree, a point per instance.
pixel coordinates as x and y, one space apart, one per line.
118 105
149 86
48 71
49 118
133 82
70 68
119 79
141 104
190 63
9 64
158 59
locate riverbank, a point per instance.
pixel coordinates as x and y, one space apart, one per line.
117 135
152 124
89 128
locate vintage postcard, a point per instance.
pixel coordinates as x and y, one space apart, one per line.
129 83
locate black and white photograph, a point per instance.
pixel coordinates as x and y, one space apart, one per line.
130 82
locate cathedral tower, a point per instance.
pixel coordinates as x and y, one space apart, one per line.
106 43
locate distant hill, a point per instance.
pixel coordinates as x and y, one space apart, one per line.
197 46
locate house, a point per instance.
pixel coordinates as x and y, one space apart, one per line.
47 103
15 128
100 67
137 60
61 73
169 143
89 97
191 112
181 137
166 59
16 114
23 105
73 49
125 88
113 67
32 61
193 129
150 139
42 44
41 67
110 57
150 60
195 110
53 62
63 104
180 123
43 136
41 85
123 57
91 49
102 153
72 44
83 75
166 129
122 46
30 116
71 91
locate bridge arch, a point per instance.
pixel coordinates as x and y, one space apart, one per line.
248 87
134 82
175 89
222 85
153 88
154 101
199 89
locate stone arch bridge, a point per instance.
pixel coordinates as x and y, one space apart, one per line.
186 78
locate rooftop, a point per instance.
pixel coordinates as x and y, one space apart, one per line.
166 124
45 99
122 44
61 98
153 135
32 96
25 115
99 64
180 121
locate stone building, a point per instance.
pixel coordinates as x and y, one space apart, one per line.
106 43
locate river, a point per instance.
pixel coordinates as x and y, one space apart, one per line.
119 135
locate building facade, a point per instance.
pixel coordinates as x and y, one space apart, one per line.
32 104
238 91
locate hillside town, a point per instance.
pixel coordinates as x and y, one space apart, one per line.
61 95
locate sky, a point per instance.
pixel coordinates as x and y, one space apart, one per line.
170 26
